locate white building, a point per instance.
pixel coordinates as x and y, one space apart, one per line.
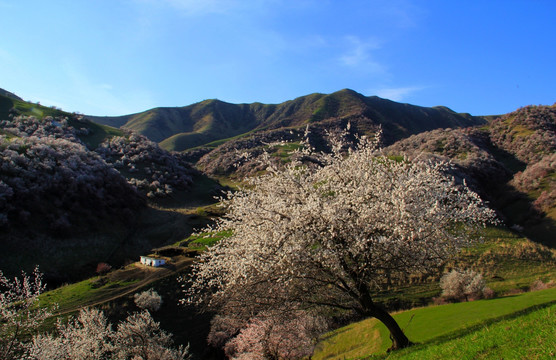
150 261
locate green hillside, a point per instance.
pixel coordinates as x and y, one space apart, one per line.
95 133
19 107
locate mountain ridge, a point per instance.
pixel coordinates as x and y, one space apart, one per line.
187 127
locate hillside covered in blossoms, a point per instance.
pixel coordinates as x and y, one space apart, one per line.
67 183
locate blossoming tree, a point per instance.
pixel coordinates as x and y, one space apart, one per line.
19 313
329 236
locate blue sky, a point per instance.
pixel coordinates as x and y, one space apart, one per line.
114 57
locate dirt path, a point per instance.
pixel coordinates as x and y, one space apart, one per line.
145 274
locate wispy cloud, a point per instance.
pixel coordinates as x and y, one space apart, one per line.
396 94
196 7
205 7
359 54
400 13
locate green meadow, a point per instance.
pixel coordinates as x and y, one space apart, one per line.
458 325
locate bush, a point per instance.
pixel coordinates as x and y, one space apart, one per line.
103 268
464 284
540 285
149 300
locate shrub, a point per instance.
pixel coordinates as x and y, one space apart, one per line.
540 285
488 293
149 300
463 284
103 268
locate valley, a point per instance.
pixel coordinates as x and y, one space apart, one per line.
77 191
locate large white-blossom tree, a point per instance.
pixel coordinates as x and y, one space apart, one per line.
331 235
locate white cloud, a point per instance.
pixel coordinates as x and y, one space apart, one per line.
396 94
400 13
359 54
204 7
207 7
196 7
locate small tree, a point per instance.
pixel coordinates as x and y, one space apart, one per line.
140 337
90 336
85 337
330 236
19 314
149 300
462 284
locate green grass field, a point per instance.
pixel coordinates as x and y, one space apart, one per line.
76 295
530 335
433 326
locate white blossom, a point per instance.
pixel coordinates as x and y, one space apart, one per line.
149 300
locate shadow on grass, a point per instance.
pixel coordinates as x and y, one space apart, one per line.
468 330
471 329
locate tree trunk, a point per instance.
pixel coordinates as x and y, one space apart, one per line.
399 340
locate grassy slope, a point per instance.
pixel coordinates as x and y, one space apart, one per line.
26 108
430 325
115 284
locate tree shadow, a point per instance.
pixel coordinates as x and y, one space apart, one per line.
516 207
468 330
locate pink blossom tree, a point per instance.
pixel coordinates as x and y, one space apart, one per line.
330 236
277 336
